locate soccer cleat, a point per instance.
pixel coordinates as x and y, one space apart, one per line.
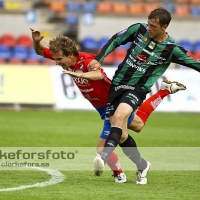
141 175
120 178
172 87
98 165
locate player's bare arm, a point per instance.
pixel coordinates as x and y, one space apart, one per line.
93 65
92 75
37 37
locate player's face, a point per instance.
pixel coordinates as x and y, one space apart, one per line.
154 29
62 60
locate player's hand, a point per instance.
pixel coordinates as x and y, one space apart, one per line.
93 65
37 37
74 74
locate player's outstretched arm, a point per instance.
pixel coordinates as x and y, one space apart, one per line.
92 75
37 37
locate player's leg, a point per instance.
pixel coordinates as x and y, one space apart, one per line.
144 111
119 135
112 161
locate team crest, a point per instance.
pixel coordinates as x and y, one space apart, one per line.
152 45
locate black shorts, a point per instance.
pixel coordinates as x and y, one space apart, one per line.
132 95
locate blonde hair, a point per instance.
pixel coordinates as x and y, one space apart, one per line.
63 43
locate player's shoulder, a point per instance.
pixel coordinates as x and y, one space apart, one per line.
85 55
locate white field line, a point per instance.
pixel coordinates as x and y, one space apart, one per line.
57 177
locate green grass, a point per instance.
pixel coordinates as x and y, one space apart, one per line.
82 129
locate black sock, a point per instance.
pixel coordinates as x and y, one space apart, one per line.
111 142
130 149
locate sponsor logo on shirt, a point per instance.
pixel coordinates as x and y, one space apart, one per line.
121 32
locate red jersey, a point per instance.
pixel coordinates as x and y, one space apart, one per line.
94 91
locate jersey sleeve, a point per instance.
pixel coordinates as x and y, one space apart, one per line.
118 39
47 53
184 57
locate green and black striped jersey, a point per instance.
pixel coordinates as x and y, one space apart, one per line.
146 60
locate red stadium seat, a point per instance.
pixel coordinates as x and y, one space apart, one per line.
8 40
15 61
24 40
32 61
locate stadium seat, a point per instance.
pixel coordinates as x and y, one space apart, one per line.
195 11
195 1
170 8
182 1
148 7
15 61
24 40
5 52
8 40
104 7
33 55
187 44
182 10
1 4
167 1
32 61
120 8
102 42
89 7
2 61
90 43
73 7
136 8
20 52
196 46
57 6
71 20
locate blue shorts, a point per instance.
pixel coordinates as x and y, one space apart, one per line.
107 126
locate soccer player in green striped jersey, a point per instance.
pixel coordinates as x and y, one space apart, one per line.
148 57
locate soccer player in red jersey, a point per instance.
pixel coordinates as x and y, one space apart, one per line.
94 86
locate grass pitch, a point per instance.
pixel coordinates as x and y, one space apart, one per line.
82 129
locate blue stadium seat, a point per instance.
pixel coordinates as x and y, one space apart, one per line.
167 1
90 43
20 52
71 20
73 6
1 4
5 52
89 7
195 11
187 44
102 42
33 55
170 8
196 45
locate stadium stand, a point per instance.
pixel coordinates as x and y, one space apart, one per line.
66 17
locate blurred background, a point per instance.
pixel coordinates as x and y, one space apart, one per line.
27 79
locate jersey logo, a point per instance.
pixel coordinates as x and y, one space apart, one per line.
142 57
152 45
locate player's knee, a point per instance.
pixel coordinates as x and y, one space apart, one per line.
136 128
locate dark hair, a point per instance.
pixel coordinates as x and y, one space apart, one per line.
162 14
65 44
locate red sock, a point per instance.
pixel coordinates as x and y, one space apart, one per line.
150 104
114 164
